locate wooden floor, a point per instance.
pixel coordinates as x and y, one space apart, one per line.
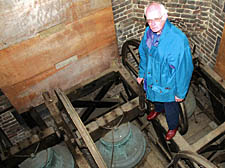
153 159
199 126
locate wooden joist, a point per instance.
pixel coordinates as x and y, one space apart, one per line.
208 138
179 140
125 113
29 141
82 129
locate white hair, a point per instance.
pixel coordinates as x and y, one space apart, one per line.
162 9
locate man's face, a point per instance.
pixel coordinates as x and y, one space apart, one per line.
154 19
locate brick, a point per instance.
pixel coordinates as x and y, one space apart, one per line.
6 123
191 2
125 3
206 4
212 35
129 6
210 39
130 35
188 16
120 10
120 19
180 10
174 15
219 16
138 10
128 28
173 5
188 11
216 3
128 11
6 114
216 8
210 46
182 1
206 49
171 9
190 6
204 14
116 16
114 8
203 8
114 3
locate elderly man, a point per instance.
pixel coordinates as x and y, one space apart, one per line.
165 66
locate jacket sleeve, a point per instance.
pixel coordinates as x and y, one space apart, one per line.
143 60
181 61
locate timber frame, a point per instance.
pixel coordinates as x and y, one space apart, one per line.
85 134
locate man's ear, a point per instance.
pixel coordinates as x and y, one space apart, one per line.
145 11
165 16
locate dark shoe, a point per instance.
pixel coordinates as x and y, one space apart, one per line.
170 134
152 115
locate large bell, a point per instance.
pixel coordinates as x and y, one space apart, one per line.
54 157
125 145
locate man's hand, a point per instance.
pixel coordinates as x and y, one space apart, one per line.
139 80
178 99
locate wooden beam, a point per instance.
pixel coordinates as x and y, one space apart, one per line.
208 138
214 75
178 139
125 113
29 141
82 129
51 101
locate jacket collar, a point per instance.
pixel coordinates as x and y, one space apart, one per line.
166 29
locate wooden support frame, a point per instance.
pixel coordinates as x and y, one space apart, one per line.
51 101
128 111
27 142
81 128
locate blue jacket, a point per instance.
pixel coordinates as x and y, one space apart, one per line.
167 68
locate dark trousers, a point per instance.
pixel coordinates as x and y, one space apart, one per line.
172 110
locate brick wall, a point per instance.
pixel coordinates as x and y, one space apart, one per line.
12 128
201 20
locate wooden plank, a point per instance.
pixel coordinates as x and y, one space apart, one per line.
208 138
23 83
125 113
51 103
214 75
82 129
80 160
16 66
220 59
